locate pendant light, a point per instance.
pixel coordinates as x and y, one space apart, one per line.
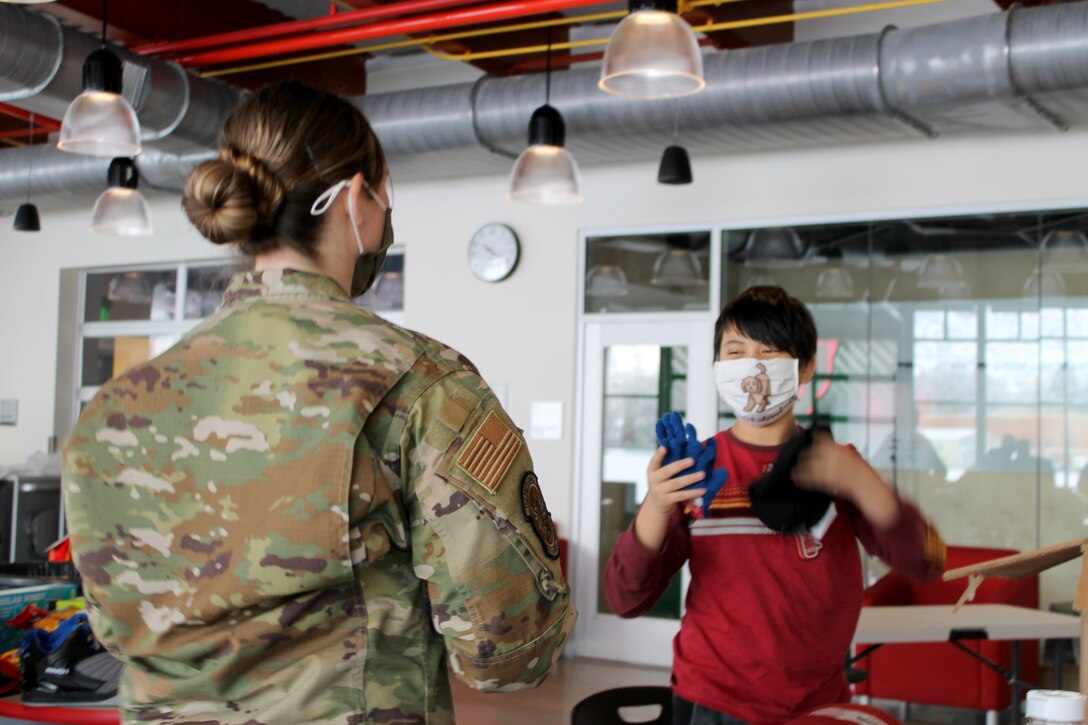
26 216
775 247
545 173
652 54
100 122
122 209
941 272
606 280
675 167
1065 250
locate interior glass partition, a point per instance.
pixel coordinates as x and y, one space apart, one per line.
953 355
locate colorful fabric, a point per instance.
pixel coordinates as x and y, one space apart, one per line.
768 618
272 526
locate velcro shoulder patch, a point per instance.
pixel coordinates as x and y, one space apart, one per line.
489 451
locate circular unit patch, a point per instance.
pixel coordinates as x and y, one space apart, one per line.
536 512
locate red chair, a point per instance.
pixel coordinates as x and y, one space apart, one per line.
940 673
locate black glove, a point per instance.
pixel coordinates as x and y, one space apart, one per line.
777 501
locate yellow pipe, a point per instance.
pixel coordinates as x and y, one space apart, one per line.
416 41
525 50
729 25
466 57
709 27
12 142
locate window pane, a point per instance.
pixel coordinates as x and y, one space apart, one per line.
929 325
205 287
648 272
147 295
1011 372
1002 325
105 358
962 325
632 370
945 371
387 293
630 440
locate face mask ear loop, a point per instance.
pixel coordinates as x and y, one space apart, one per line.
354 223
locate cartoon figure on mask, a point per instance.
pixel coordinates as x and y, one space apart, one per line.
758 388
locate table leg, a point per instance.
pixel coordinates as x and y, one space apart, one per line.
1015 704
1056 650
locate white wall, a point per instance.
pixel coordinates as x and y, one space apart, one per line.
523 332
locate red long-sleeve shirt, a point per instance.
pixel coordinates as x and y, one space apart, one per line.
768 618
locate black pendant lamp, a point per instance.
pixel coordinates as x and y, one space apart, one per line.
546 173
100 122
675 167
26 216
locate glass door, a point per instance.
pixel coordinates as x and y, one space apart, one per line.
635 373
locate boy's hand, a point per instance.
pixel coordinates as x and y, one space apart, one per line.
667 487
682 442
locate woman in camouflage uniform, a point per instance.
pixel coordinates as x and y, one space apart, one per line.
300 513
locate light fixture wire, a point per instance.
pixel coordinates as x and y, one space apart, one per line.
105 14
548 70
30 159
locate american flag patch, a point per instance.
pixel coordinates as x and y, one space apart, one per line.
488 454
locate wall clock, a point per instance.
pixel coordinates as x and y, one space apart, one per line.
493 252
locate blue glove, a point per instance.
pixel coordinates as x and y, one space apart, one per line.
679 442
682 441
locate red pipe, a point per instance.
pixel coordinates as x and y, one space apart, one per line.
41 132
293 27
456 18
44 122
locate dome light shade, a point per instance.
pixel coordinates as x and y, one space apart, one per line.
1044 283
835 283
606 280
1065 250
940 271
26 219
545 173
677 268
652 54
774 247
675 166
100 122
122 209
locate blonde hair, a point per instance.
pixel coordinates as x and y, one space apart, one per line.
278 151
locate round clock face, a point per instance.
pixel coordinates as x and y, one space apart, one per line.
493 252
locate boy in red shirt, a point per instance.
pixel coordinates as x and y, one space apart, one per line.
768 617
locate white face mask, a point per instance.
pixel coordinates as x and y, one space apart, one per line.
759 391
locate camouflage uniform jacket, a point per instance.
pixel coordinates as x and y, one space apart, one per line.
297 512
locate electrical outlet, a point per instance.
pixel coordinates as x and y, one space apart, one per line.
9 411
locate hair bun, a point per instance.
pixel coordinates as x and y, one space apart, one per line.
233 199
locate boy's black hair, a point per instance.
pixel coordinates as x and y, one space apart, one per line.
770 315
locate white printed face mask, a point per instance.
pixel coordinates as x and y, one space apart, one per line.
759 391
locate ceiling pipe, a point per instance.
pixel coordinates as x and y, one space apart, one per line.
1026 70
295 27
43 123
406 26
41 70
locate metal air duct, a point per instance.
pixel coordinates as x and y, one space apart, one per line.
1026 69
41 64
